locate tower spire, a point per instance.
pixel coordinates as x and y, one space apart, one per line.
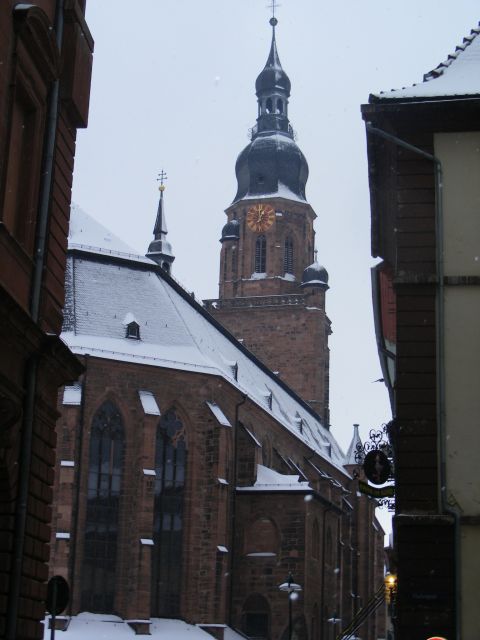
160 250
273 90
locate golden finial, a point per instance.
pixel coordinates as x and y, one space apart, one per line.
162 176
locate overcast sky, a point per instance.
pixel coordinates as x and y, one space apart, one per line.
174 88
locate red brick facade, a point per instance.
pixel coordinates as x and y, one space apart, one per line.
282 323
237 546
44 90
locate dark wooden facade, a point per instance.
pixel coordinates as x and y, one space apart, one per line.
44 94
405 196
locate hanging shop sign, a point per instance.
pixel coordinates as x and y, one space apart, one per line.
376 492
377 467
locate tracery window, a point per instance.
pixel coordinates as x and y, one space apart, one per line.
288 255
261 254
105 468
170 466
256 617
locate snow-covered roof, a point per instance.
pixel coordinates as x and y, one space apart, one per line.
458 75
175 331
108 627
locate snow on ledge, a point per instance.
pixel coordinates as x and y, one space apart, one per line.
270 480
72 395
149 403
110 627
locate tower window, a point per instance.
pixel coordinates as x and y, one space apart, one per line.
269 105
279 106
261 255
288 255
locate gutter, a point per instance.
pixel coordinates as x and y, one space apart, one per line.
31 374
440 332
233 501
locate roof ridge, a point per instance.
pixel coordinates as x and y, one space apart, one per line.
440 68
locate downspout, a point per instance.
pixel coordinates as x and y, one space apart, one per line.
31 372
440 333
78 477
233 506
322 592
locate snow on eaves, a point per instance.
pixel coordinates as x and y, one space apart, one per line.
282 192
175 333
458 75
270 480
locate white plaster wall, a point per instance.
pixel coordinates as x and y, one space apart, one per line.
460 157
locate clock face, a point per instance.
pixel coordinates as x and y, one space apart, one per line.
260 217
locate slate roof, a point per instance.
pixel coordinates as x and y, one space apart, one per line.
458 75
106 281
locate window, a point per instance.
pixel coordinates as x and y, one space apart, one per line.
288 255
256 617
261 255
105 467
279 106
133 331
268 105
170 466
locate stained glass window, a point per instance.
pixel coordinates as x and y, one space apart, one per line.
170 467
107 444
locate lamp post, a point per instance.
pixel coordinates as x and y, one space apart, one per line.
390 581
292 588
333 620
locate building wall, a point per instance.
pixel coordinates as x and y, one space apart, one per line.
460 157
222 527
34 362
290 335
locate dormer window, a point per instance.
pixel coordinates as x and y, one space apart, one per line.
133 330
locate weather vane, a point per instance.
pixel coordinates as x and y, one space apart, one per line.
162 176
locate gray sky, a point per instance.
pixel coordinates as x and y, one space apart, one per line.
173 88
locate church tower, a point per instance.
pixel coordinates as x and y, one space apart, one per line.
271 287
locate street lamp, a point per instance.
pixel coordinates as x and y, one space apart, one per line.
333 620
292 588
390 581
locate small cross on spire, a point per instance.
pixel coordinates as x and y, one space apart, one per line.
273 5
162 176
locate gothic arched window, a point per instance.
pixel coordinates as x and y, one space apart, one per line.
170 464
288 255
105 467
256 617
261 255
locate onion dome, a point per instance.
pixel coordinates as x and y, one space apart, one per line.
272 164
315 276
231 231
